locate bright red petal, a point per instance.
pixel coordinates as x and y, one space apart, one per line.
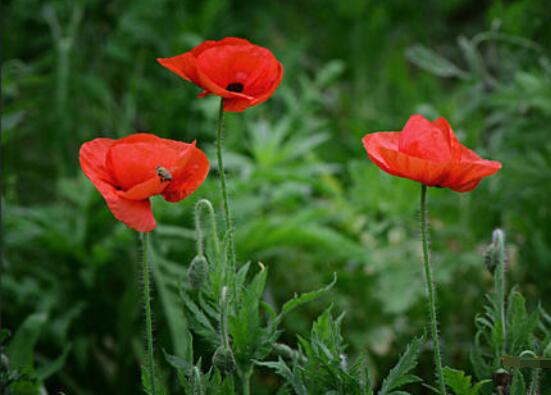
423 139
134 159
403 165
135 214
375 141
183 65
465 176
188 174
196 51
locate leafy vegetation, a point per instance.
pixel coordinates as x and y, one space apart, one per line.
306 200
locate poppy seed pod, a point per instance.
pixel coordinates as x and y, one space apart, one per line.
224 360
198 271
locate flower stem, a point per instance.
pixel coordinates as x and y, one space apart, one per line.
499 243
227 210
431 291
147 308
246 381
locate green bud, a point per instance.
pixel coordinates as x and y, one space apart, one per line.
198 271
224 360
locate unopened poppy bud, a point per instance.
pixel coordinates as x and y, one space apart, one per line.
224 360
198 271
547 351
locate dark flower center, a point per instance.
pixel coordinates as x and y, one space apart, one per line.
235 87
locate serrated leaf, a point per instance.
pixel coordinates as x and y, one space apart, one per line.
284 371
407 362
306 297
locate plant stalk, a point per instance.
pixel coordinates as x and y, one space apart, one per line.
499 244
431 291
147 308
227 210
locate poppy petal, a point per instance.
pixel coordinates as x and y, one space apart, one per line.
402 165
151 187
465 176
423 139
374 141
188 174
135 214
184 65
134 159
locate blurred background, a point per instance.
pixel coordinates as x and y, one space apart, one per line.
307 200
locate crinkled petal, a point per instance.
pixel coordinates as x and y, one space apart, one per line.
424 139
465 176
135 214
189 172
417 169
374 141
134 159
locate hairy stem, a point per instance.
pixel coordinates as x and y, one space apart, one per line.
431 291
147 308
227 210
198 226
499 243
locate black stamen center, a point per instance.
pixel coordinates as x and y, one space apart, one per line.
235 87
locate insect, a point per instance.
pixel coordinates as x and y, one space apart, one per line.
163 174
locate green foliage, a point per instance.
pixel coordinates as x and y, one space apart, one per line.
521 332
307 202
228 312
460 383
321 365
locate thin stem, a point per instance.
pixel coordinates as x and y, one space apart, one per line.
431 291
198 226
227 210
147 307
246 381
499 245
224 318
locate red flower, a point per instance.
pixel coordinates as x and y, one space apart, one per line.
128 171
242 73
430 153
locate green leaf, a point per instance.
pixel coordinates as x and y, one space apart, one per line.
518 385
20 351
407 362
431 61
458 381
284 371
306 297
54 366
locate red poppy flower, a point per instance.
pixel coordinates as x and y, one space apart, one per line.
242 73
128 171
430 153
